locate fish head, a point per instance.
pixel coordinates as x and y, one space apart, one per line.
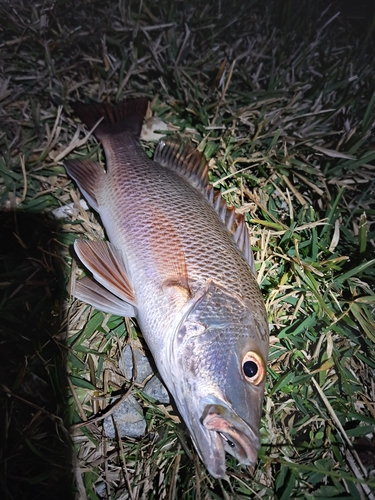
218 357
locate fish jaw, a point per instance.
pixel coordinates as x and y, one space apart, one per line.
239 439
218 430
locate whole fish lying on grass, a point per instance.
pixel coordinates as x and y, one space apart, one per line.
179 260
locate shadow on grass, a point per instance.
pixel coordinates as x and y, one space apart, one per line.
35 448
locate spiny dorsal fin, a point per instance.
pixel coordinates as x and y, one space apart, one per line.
180 155
88 290
87 174
234 222
126 116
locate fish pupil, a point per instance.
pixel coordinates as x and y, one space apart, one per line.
250 369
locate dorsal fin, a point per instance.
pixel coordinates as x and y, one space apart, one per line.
126 116
180 155
235 223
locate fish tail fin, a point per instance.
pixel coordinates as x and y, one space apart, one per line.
124 117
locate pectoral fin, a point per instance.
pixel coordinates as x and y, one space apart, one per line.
94 294
107 267
170 261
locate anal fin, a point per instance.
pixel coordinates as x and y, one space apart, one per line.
87 174
94 294
107 267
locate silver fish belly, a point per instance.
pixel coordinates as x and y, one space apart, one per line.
179 260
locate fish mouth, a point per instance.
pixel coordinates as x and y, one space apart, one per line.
224 431
233 432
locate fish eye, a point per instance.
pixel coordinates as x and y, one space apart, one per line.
250 369
253 367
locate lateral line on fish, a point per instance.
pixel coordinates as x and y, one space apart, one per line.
174 153
180 155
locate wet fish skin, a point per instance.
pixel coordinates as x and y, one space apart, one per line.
180 261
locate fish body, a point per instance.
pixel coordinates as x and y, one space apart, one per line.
179 260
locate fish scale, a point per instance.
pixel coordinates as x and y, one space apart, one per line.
179 260
208 241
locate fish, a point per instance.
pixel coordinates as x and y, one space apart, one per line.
179 260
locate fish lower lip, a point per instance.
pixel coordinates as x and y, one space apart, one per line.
236 441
